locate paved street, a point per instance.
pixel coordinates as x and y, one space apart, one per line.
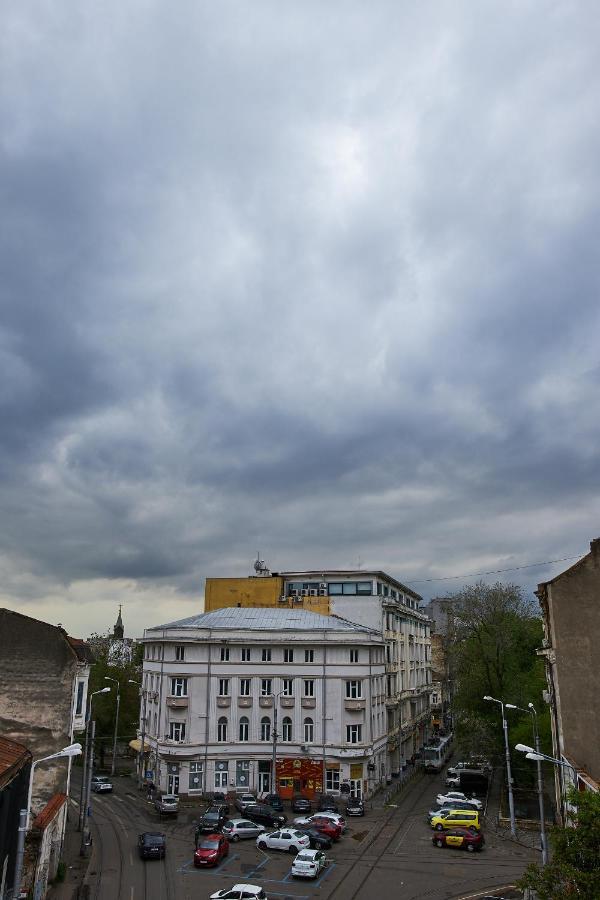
388 853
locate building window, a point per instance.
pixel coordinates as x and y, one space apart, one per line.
224 654
309 656
265 687
179 687
351 588
265 729
180 653
245 684
353 690
221 775
332 779
288 656
309 731
266 654
353 734
196 772
354 656
246 655
309 687
286 729
222 729
223 687
244 728
79 701
177 731
288 687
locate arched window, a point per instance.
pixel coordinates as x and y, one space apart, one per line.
265 729
309 731
286 729
244 728
222 729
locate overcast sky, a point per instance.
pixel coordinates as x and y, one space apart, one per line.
315 279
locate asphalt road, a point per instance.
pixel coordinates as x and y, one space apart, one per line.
388 853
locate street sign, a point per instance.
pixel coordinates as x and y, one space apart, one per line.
149 774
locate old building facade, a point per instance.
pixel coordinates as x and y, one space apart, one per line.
570 605
226 691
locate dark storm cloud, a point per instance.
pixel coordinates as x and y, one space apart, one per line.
322 282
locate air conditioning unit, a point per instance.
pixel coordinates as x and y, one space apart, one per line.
293 592
322 592
282 599
313 592
304 592
303 747
323 586
298 599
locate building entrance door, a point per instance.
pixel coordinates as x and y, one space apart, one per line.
356 788
173 784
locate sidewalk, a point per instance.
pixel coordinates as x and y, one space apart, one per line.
76 866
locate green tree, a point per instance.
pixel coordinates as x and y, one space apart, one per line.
496 632
574 867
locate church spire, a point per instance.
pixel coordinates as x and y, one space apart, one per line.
118 630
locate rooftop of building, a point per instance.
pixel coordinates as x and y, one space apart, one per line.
357 574
593 552
13 757
259 618
78 646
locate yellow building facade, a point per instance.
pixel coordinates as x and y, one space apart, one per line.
257 591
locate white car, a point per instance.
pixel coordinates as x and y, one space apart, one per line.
241 892
458 795
101 785
238 829
309 864
333 816
287 839
245 800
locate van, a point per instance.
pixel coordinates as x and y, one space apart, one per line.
452 818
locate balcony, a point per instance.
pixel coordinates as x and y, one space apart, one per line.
391 667
177 702
223 701
287 702
265 702
245 701
354 704
308 702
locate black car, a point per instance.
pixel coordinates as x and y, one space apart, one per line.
152 845
213 819
274 801
265 815
301 804
318 840
327 803
355 807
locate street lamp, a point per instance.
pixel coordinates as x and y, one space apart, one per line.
539 757
25 815
540 781
114 749
275 736
86 764
141 766
511 803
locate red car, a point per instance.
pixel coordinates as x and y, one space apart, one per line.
211 850
462 838
326 826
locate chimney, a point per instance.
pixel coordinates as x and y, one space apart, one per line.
595 548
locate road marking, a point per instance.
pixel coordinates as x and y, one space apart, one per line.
130 858
131 892
120 799
504 887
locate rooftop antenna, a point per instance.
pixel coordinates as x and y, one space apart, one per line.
261 570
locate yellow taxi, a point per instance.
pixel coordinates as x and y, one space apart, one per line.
456 818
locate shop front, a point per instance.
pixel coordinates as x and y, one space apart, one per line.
299 776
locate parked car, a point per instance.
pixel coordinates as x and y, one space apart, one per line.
458 796
327 802
355 807
334 817
309 864
301 804
101 784
240 892
152 845
211 850
446 807
212 820
167 805
463 818
244 800
265 815
462 838
274 801
287 839
318 839
239 829
327 827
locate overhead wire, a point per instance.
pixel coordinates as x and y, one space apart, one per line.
494 571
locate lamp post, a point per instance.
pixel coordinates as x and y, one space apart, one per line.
25 817
540 780
84 779
540 757
141 766
511 803
114 748
275 736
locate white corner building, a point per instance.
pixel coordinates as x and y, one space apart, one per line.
227 691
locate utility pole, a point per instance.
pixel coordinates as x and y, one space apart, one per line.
274 761
85 831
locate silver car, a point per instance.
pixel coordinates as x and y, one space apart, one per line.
101 784
245 800
168 804
238 829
